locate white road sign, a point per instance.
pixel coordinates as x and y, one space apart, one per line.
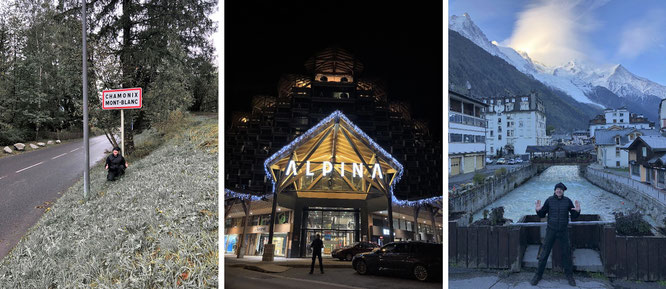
126 98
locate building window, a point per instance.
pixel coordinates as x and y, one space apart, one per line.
469 138
635 170
455 137
499 120
491 133
621 120
660 177
644 152
499 137
617 163
617 152
617 140
614 120
492 150
520 123
499 130
479 139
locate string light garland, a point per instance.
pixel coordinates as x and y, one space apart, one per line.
231 194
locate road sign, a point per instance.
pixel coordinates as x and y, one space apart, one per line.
126 98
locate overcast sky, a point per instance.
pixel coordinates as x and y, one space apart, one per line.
631 33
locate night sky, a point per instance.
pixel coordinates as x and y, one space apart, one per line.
401 44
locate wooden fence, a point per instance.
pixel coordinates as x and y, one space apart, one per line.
485 247
633 258
502 247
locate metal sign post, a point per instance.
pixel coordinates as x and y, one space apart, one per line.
127 98
122 131
86 144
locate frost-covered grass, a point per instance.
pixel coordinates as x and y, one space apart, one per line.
156 227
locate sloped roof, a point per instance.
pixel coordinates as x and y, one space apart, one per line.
658 158
607 137
655 142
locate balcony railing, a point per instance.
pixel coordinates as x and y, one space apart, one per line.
460 118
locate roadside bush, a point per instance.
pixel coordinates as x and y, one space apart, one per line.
10 135
499 172
478 178
497 216
631 224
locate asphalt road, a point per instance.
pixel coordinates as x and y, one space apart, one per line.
235 277
31 181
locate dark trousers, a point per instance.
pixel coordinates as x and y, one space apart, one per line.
315 254
114 173
563 237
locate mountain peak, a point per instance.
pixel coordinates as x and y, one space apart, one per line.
466 27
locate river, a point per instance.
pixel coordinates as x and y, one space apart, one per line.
593 200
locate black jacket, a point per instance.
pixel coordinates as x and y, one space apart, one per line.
115 162
316 245
558 212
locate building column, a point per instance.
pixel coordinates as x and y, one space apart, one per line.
364 225
416 224
390 217
269 248
296 235
246 208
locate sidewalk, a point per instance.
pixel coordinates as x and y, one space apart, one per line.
477 279
231 260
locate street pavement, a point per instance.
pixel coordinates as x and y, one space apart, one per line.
32 181
236 277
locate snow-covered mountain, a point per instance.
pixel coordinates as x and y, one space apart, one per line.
582 81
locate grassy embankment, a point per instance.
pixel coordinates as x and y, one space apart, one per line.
155 227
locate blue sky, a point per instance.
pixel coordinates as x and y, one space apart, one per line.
631 33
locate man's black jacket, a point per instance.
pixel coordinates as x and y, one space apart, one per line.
558 212
115 162
317 244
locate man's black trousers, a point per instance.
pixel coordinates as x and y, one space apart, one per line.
114 173
563 237
316 254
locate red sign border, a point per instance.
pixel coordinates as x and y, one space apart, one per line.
124 89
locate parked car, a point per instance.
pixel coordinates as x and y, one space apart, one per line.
501 161
489 161
420 260
511 162
519 161
347 253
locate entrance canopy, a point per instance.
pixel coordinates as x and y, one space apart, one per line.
333 160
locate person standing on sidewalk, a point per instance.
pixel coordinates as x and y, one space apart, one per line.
316 246
558 207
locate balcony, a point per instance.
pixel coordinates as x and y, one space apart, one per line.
460 118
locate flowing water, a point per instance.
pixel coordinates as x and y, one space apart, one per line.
593 200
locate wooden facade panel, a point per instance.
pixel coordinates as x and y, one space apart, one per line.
514 247
472 247
610 252
483 247
621 261
662 259
632 258
653 259
461 256
643 255
493 249
503 249
453 242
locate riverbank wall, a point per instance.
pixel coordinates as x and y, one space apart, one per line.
650 199
493 188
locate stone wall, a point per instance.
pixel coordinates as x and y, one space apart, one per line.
651 200
492 189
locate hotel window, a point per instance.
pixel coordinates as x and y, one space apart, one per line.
499 130
282 218
479 139
492 150
455 105
525 99
455 137
469 138
265 220
408 225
